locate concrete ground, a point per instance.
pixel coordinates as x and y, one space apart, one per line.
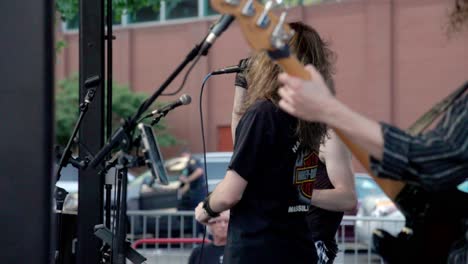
180 256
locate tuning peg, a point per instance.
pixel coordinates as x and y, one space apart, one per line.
248 9
232 2
263 20
279 36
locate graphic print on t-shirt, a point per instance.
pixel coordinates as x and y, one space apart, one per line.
305 171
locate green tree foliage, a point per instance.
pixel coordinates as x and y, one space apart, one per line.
69 8
124 104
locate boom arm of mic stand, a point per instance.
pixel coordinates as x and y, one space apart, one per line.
67 152
122 132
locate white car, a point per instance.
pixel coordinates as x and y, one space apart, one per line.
375 204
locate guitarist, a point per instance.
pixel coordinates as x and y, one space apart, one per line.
436 162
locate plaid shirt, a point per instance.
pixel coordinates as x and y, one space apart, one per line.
436 160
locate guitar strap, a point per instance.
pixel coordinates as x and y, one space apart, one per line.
430 116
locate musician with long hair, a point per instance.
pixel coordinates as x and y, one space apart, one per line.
436 162
333 188
271 177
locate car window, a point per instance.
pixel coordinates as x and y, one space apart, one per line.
216 170
68 173
367 187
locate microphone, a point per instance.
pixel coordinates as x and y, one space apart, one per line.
229 69
185 99
234 68
216 30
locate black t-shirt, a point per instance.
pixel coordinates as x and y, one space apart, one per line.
268 225
212 254
324 223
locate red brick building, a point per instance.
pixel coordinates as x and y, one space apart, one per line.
394 61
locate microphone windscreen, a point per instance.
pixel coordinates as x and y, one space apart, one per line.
185 99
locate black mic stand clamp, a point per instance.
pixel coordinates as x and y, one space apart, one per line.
156 120
60 195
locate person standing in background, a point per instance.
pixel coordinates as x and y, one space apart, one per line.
193 183
213 253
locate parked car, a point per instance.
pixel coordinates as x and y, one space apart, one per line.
373 202
216 167
165 197
69 182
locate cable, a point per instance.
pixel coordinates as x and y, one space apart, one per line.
185 77
204 156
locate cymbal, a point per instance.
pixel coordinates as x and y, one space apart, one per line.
177 164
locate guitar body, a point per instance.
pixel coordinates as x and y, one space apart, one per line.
435 220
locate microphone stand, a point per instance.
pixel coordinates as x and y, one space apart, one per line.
200 49
122 136
156 120
60 193
118 252
123 132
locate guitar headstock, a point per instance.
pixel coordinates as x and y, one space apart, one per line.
262 29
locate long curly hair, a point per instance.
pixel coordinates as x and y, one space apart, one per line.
262 77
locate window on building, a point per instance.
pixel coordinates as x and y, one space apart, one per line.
209 11
74 23
145 14
181 9
174 9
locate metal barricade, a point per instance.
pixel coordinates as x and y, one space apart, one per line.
170 236
354 237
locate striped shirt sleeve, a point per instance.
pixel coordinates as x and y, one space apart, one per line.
437 160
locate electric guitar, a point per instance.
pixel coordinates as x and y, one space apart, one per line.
264 31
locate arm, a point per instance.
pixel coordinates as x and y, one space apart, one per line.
437 161
240 94
359 129
239 97
226 194
339 169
